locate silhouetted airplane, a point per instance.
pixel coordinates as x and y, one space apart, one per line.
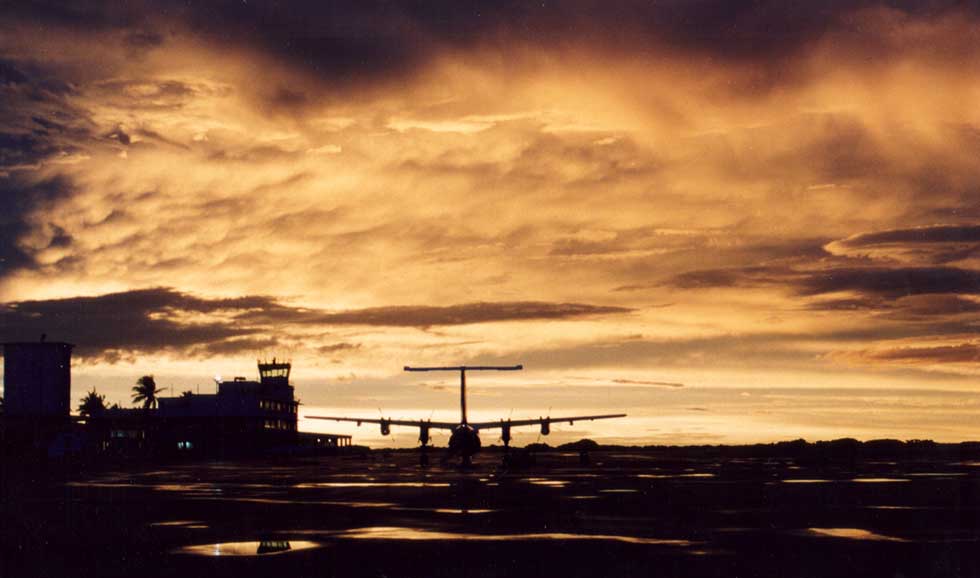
465 438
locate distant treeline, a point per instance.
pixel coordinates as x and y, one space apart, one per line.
840 449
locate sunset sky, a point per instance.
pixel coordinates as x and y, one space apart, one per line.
736 221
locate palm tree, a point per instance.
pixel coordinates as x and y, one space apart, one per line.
92 404
145 391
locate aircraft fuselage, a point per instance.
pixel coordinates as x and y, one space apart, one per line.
464 441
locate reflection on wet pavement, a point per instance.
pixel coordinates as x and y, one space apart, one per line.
402 533
348 505
852 534
668 476
372 485
256 548
547 482
878 480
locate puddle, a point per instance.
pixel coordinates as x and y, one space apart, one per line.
339 503
458 511
547 482
188 488
581 497
177 523
258 548
373 485
878 480
937 474
668 476
401 533
852 534
619 491
897 508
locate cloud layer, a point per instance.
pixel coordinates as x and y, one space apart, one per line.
148 321
734 190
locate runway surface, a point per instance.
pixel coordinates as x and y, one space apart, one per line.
621 514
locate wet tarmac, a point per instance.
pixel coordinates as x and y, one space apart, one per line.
382 515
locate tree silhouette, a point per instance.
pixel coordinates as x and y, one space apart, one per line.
92 404
145 392
187 393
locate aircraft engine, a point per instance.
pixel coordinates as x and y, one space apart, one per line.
385 427
545 427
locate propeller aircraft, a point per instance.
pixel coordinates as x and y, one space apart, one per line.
464 440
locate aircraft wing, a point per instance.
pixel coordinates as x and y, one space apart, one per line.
541 420
404 422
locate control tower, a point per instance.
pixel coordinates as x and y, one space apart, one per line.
274 373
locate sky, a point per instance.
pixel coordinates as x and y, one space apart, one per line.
735 221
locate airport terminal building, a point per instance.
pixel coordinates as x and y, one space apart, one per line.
243 416
251 413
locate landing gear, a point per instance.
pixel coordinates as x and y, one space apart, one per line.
424 450
505 437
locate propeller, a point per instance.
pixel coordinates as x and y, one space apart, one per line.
540 430
390 431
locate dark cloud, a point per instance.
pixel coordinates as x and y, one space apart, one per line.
894 282
873 282
233 346
734 277
936 244
937 305
960 353
118 324
335 347
645 382
40 125
857 304
427 316
931 234
19 198
356 39
157 320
